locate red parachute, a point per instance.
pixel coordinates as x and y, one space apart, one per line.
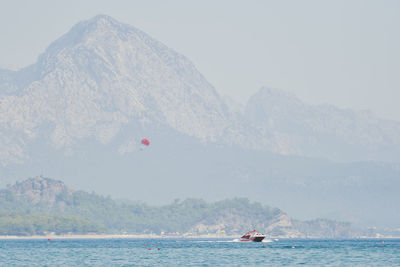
145 142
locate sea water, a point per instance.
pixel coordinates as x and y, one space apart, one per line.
195 252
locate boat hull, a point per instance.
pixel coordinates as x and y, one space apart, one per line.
258 239
253 239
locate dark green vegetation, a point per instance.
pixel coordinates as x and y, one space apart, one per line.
41 205
40 224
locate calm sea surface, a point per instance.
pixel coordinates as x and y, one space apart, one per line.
189 252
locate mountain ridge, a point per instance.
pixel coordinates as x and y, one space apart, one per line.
103 75
321 130
80 112
189 217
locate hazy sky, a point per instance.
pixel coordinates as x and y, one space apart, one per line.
345 53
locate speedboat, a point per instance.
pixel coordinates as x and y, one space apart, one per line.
253 236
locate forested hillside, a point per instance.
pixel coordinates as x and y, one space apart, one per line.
42 205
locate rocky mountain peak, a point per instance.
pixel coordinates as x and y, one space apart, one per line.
95 26
100 77
100 31
103 20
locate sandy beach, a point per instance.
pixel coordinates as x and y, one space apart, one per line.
110 236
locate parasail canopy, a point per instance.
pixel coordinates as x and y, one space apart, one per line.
145 142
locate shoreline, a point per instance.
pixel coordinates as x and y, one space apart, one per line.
112 236
147 236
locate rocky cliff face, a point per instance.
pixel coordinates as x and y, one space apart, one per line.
278 226
40 191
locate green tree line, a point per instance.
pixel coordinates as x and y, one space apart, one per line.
40 224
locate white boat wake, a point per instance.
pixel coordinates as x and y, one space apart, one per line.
267 241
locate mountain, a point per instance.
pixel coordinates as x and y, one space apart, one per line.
39 203
95 80
80 112
104 78
287 125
